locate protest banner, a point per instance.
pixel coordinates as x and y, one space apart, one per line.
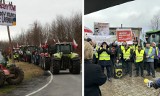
124 35
7 14
101 29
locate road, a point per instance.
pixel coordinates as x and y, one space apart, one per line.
130 86
64 84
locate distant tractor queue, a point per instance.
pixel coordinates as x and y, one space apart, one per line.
59 56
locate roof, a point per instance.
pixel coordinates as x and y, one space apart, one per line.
126 28
153 32
95 5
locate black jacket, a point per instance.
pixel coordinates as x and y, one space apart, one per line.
93 78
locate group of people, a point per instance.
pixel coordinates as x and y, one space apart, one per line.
132 57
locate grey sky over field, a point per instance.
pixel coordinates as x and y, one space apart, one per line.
137 13
42 10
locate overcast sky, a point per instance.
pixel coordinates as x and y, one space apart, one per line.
137 13
27 11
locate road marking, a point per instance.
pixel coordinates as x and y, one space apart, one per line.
42 87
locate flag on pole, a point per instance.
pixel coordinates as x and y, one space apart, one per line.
40 45
46 42
142 36
17 45
54 40
58 41
74 44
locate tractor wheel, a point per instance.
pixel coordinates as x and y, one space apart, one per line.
46 64
18 76
55 67
2 78
76 67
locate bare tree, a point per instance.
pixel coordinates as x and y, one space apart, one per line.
155 22
62 29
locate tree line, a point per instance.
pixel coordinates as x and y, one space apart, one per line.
61 29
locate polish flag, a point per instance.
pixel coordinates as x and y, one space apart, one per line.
17 45
74 44
54 40
40 45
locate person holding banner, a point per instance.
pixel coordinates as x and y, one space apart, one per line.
105 59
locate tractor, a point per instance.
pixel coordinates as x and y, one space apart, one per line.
63 57
9 73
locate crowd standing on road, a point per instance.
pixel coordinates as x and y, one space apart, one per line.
133 57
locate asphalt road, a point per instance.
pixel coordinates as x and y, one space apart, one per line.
64 84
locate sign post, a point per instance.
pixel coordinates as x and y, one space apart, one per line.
8 18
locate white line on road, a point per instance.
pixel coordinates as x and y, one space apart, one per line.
42 87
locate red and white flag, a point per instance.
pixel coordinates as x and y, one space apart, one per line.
54 40
74 44
58 41
40 45
17 45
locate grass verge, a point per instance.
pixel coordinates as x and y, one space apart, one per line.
30 71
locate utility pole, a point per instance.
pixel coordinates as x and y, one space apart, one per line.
10 42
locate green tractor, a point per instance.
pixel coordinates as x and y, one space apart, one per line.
63 57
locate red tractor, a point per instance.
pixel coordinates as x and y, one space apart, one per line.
9 73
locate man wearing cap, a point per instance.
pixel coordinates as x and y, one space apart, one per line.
156 55
150 52
139 59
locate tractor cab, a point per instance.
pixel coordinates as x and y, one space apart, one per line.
65 48
64 58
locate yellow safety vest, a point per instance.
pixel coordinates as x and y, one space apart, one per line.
96 53
150 51
104 56
134 47
139 56
122 48
126 54
157 51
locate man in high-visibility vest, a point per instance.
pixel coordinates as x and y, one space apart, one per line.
123 46
127 55
139 60
156 55
95 54
105 59
150 52
135 45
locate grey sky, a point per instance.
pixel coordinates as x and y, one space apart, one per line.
27 11
137 13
